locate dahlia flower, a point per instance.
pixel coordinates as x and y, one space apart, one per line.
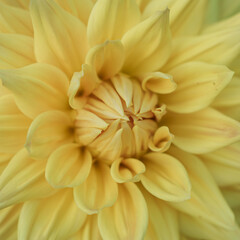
119 120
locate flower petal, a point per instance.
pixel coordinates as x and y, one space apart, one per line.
37 88
147 45
68 166
109 20
165 177
47 132
56 40
30 179
107 59
15 20
9 221
4 160
128 216
224 165
78 8
198 84
203 131
19 3
206 199
103 192
56 217
13 125
16 51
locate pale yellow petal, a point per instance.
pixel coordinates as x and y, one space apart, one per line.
56 217
15 20
128 216
17 3
68 166
47 132
13 125
4 160
109 20
204 131
206 200
98 191
78 8
147 45
9 222
224 164
82 84
198 84
59 38
29 176
107 58
16 51
127 170
37 88
158 82
163 220
165 177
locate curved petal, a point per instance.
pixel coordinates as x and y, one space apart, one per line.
4 160
107 59
13 125
56 40
28 174
15 20
68 166
98 191
109 20
47 132
56 217
142 53
203 131
198 84
165 177
37 88
9 221
206 199
19 3
16 51
128 216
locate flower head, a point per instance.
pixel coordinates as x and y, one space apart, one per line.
118 120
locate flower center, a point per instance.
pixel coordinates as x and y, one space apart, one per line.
118 119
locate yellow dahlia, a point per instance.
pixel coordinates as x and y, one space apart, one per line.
119 119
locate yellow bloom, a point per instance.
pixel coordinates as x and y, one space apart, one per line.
119 120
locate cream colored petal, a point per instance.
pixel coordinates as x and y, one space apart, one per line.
9 222
56 217
224 164
82 84
13 126
128 216
37 88
78 8
47 132
182 14
161 140
158 82
16 51
203 131
4 160
98 191
109 20
163 220
198 84
207 48
68 166
15 20
59 38
127 170
200 229
107 58
23 179
165 177
147 45
89 230
17 3
206 200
